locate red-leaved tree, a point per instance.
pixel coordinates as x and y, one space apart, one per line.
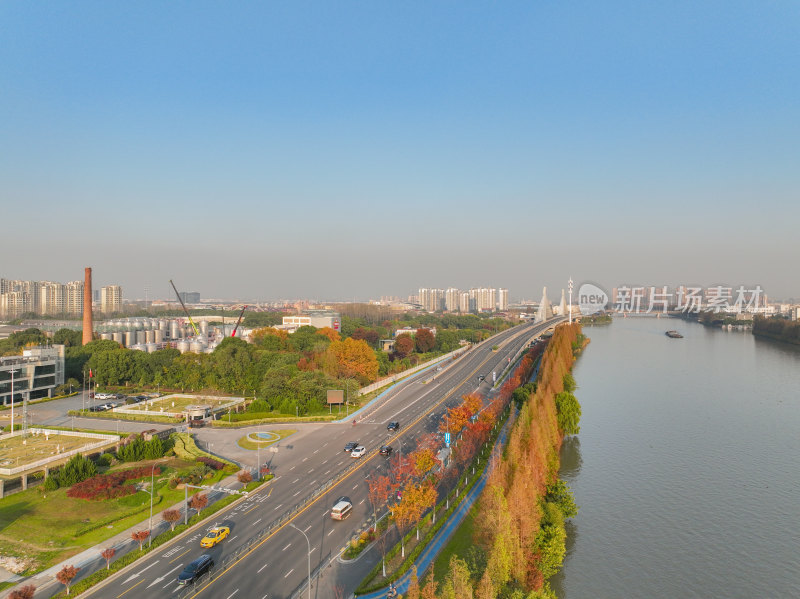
108 554
66 574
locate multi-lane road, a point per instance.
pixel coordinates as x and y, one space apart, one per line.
265 556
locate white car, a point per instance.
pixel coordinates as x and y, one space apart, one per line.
358 451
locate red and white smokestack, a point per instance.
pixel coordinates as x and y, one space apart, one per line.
87 306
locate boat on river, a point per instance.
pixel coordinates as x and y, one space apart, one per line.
674 334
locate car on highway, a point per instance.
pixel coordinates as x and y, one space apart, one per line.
103 396
196 569
392 426
341 510
214 536
358 451
386 450
351 446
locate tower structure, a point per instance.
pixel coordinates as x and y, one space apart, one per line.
87 306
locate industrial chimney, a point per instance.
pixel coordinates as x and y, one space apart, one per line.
87 306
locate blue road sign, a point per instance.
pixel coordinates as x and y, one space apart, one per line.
447 439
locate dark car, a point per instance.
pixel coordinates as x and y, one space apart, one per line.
386 450
141 397
196 569
351 446
392 426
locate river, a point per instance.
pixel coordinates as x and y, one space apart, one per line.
687 465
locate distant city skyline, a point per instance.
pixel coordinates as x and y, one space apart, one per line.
346 151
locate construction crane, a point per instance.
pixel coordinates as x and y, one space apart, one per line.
180 299
238 322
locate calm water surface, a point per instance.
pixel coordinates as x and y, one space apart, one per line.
687 466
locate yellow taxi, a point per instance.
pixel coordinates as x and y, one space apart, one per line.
214 536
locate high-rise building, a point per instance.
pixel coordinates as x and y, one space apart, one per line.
502 299
464 302
451 299
74 297
111 298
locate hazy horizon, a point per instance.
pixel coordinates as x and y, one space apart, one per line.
349 151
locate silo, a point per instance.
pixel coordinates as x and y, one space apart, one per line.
106 336
158 336
204 327
197 346
183 346
151 347
173 329
141 337
118 337
163 324
150 336
130 338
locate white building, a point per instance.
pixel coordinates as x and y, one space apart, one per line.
111 298
502 299
36 373
319 319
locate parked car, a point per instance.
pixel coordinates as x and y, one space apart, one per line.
214 536
196 569
386 450
351 446
358 452
392 426
141 397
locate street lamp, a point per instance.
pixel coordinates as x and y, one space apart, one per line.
309 556
150 522
13 370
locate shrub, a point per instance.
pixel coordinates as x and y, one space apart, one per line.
244 477
104 461
50 483
211 462
109 486
25 592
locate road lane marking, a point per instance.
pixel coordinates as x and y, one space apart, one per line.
310 525
332 531
257 521
295 480
277 506
355 487
296 494
139 573
261 568
362 501
251 509
232 594
287 546
160 578
133 587
289 572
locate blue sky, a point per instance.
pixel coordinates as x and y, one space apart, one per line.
356 149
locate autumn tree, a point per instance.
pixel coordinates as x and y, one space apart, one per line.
424 341
380 489
403 514
66 574
353 358
403 345
420 498
108 554
430 588
25 592
424 461
457 584
244 477
413 586
140 536
171 517
329 333
199 501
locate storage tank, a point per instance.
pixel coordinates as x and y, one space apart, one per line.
106 336
173 329
130 338
183 346
150 336
197 346
118 337
151 347
204 327
141 337
158 336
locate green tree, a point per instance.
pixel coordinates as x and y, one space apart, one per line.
68 337
569 413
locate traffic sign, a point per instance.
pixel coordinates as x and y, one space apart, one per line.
447 439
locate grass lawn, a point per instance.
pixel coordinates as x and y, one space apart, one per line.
49 526
178 403
19 450
458 545
248 442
